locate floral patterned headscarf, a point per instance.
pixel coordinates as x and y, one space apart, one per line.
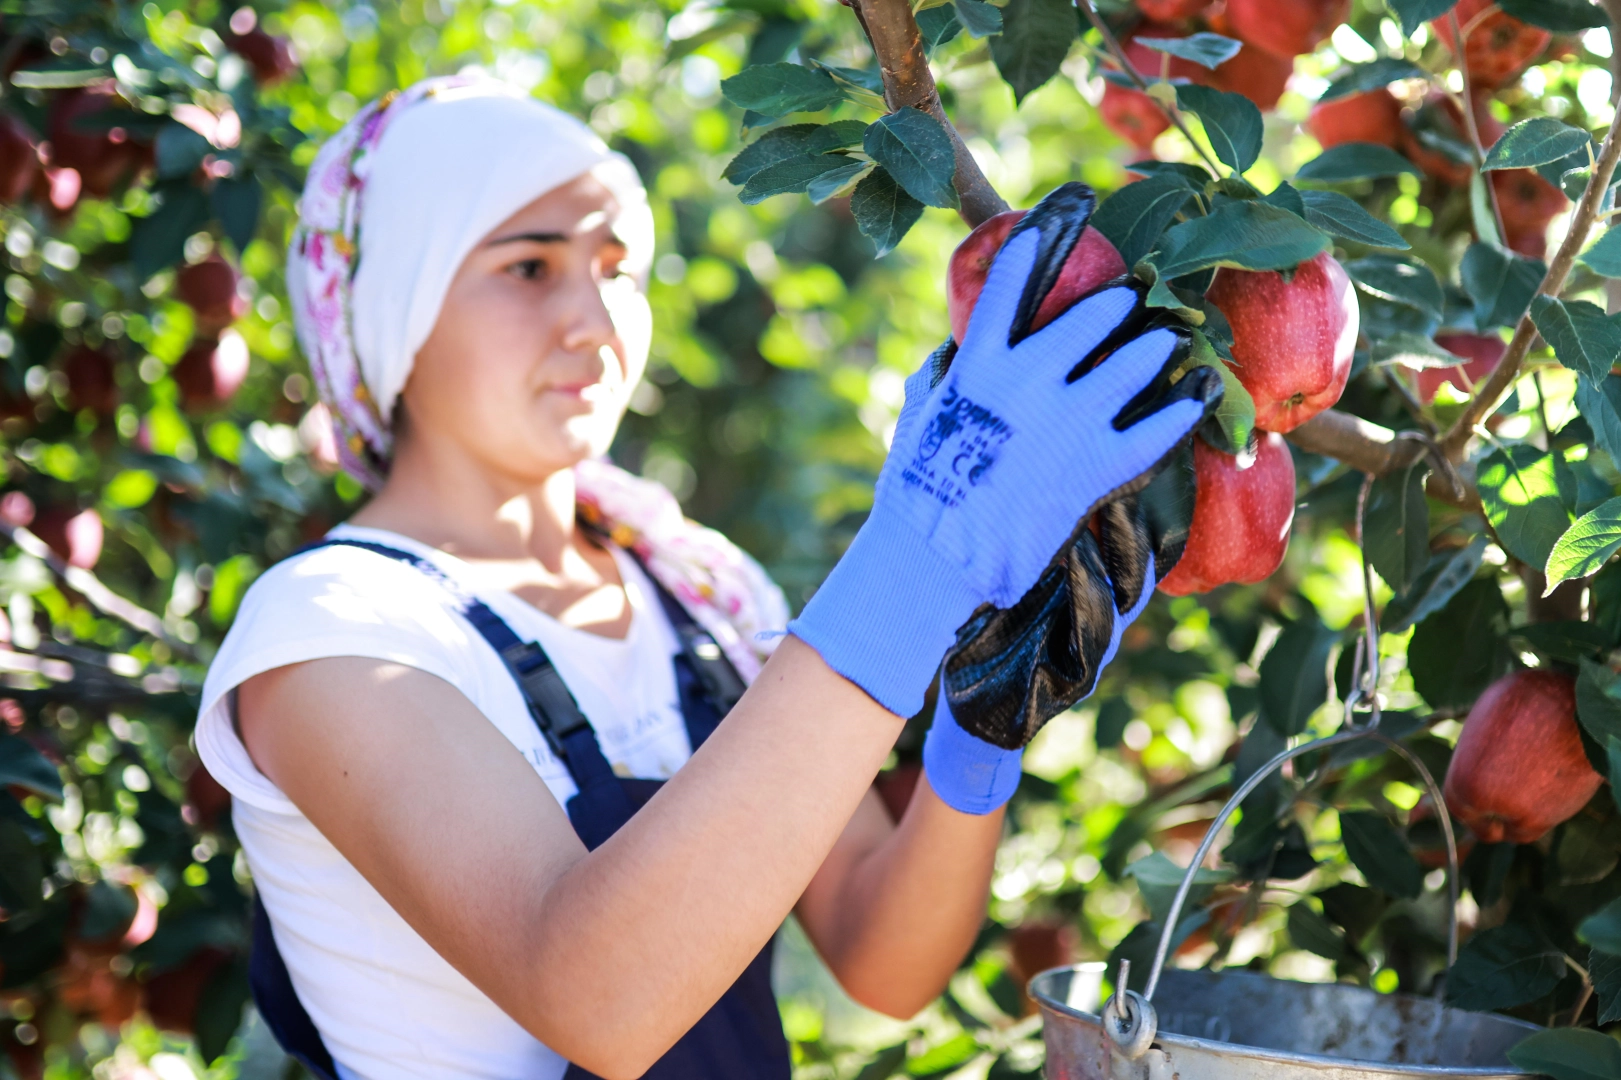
383 227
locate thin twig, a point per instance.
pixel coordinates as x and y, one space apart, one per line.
1113 45
1495 388
90 587
1467 107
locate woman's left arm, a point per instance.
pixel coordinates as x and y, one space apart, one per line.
896 906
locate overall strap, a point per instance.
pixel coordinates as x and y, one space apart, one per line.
548 698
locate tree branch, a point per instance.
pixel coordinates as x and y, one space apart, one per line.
1373 448
892 30
1490 393
1470 125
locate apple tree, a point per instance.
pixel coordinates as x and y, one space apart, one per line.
1406 282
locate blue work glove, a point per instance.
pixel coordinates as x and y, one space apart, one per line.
1027 663
990 471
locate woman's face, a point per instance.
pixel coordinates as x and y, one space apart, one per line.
542 336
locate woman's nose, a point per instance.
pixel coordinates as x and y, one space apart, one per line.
590 324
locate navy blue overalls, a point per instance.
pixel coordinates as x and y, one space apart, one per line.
741 1037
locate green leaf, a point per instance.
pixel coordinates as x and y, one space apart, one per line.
1355 161
1235 415
1399 280
1457 651
1586 545
25 767
1560 16
978 18
22 872
1134 217
1598 702
1339 215
1285 197
1536 141
1570 641
1248 235
1527 494
1569 1053
1500 282
1380 852
1440 581
834 181
1312 932
1502 967
236 202
1204 48
1415 13
1397 538
1480 210
1604 257
1361 78
793 175
938 25
158 241
1600 405
1035 38
883 210
1605 970
782 88
869 79
889 1060
1602 929
915 149
1582 336
1194 177
177 150
1158 878
1231 122
1411 350
792 141
1294 675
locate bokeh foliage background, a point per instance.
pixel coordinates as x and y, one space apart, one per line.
780 349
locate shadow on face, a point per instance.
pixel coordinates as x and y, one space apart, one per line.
541 338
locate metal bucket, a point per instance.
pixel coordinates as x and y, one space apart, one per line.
1237 1025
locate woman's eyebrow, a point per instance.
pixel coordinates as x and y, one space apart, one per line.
535 237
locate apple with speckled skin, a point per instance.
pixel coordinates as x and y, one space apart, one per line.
1241 517
1374 117
1497 47
1519 767
1091 262
1292 340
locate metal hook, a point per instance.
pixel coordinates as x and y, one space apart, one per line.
1132 1025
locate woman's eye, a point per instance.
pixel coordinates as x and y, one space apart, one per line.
529 269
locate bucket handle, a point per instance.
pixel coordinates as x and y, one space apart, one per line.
1129 1017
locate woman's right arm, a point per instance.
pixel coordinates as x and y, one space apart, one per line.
607 957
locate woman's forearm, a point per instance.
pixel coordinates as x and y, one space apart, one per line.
907 907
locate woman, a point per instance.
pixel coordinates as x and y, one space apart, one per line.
446 728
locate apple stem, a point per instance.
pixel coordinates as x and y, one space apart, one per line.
1112 43
1491 393
892 31
1471 126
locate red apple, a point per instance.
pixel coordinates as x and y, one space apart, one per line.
91 381
1497 48
1292 340
1256 74
19 158
1035 946
1442 116
1241 518
1171 10
75 535
102 158
1482 353
1519 768
1374 117
1528 202
1092 261
207 796
1286 27
209 288
1130 113
212 370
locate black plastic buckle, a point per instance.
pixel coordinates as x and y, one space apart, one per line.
550 702
720 680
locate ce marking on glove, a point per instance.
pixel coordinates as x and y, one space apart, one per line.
957 449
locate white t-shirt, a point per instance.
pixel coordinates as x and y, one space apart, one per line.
386 1004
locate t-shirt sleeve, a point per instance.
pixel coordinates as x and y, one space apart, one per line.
333 601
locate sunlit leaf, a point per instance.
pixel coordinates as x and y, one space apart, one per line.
1582 336
1231 121
1399 280
782 88
1204 48
1535 141
1586 545
1339 215
1355 161
1604 257
1527 494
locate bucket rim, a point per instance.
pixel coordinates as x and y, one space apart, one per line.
1048 1003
